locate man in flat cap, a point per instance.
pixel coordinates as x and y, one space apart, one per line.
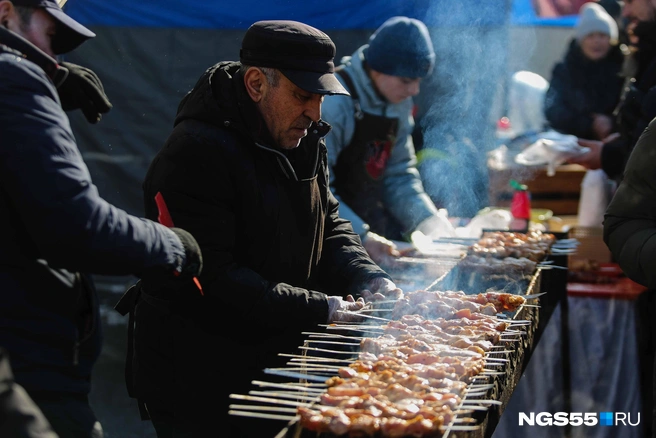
245 171
56 229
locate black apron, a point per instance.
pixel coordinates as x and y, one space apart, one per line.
360 167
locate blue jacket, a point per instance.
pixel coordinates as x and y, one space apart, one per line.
55 226
403 193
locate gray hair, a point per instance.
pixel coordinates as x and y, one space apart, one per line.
25 14
272 75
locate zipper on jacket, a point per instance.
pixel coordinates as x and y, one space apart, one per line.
282 161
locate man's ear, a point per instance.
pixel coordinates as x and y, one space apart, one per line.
6 11
255 83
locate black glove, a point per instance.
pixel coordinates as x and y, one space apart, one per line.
82 89
168 281
193 263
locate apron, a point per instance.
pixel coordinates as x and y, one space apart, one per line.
361 164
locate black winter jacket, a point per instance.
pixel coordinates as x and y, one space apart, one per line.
272 240
630 220
55 227
580 87
637 105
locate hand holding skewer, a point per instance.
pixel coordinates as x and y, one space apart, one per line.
379 289
341 310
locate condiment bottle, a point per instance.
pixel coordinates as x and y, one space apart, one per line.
520 207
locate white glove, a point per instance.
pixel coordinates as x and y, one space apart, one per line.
338 309
437 226
381 288
380 249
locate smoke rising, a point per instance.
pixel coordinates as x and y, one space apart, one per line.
454 125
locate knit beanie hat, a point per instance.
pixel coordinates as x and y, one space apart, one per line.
401 46
594 18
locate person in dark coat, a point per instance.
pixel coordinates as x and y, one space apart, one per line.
585 87
245 171
56 227
637 106
630 233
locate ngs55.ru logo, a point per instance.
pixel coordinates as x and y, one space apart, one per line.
578 419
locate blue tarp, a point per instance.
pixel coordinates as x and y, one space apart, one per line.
333 14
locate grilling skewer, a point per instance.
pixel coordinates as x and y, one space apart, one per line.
315 387
320 388
282 395
263 408
361 315
317 341
351 353
268 400
262 415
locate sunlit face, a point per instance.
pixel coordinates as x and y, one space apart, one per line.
641 10
289 111
395 89
595 46
40 30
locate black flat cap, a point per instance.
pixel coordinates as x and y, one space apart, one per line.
302 53
70 33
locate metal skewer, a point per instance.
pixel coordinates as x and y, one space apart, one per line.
282 395
268 400
362 315
263 408
263 415
314 388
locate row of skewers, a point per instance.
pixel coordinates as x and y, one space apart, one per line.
411 376
420 366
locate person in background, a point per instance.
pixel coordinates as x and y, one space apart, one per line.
370 150
245 171
57 229
637 106
586 86
630 233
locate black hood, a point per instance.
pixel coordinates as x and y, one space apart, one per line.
219 98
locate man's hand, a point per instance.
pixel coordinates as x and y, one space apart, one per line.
172 277
339 310
83 90
380 289
602 125
437 226
592 159
381 250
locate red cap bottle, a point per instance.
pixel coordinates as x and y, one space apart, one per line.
520 207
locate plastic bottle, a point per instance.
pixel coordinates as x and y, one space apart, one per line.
520 207
504 132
